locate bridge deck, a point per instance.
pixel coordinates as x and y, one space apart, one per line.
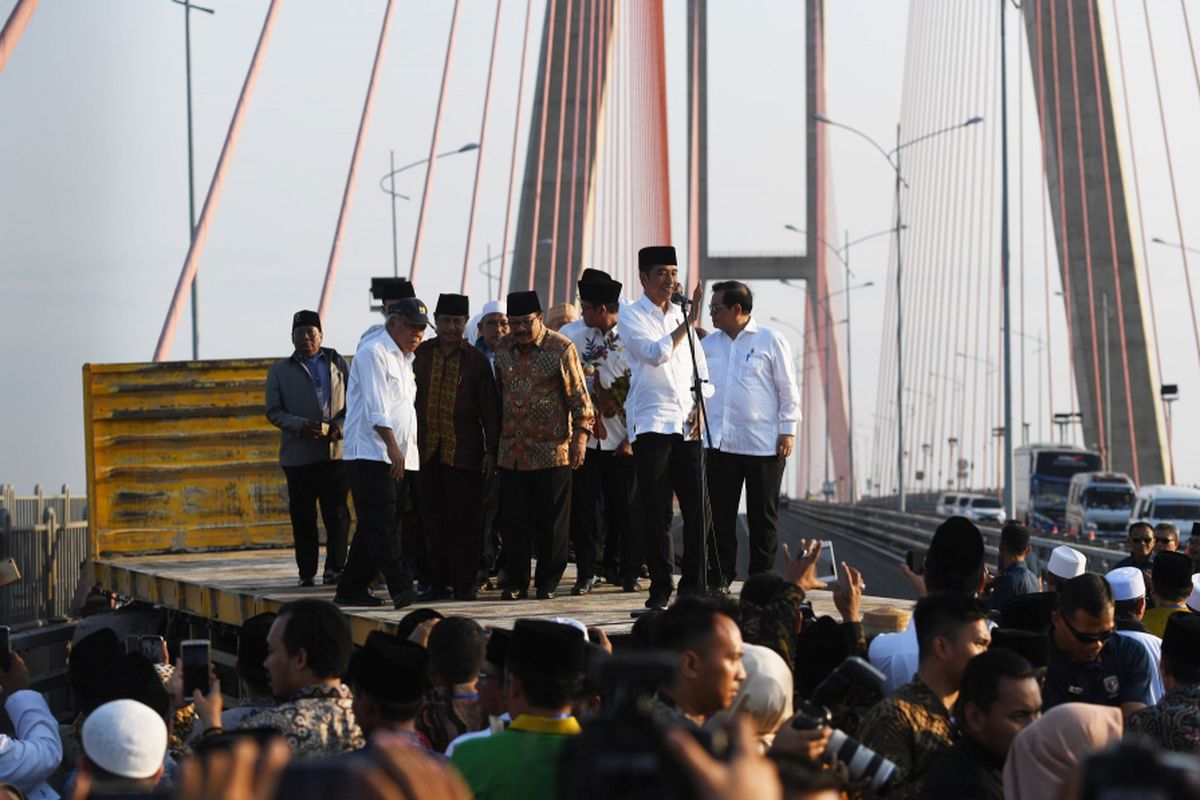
231 586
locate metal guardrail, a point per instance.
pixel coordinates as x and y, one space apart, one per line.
47 536
900 532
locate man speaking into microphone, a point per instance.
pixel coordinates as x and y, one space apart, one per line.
664 421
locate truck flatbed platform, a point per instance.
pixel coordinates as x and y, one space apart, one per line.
232 586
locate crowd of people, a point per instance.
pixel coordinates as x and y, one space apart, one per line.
501 439
513 431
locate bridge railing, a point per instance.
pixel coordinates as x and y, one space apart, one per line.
47 536
899 532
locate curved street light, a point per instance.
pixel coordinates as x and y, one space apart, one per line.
390 190
893 160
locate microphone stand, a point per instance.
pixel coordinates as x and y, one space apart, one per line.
705 505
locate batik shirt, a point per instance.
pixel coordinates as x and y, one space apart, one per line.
544 401
317 721
1174 723
912 728
606 371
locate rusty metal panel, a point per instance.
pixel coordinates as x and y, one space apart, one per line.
181 457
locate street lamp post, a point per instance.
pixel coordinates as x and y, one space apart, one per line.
843 255
390 189
893 159
188 8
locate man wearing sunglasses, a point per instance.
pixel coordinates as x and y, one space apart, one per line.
1088 664
1140 541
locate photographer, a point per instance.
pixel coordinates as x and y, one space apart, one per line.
704 636
912 726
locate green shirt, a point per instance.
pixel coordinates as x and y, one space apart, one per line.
520 763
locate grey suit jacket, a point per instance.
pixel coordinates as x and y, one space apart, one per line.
292 401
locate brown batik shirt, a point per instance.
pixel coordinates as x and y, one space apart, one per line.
458 410
911 727
317 721
544 401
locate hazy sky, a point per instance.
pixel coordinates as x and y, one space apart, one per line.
93 204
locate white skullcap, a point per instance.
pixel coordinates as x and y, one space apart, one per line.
1127 583
574 623
126 738
1066 562
1193 601
493 307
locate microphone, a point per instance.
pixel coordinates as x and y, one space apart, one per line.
680 299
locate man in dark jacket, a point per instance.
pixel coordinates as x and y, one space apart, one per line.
999 696
306 400
1015 577
458 432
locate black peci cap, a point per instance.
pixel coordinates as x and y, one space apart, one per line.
547 648
454 305
1029 612
521 304
390 668
600 291
391 288
1181 639
656 257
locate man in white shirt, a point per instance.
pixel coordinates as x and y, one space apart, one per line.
607 469
380 450
34 751
752 419
1129 593
664 423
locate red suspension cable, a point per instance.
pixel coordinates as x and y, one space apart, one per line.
512 167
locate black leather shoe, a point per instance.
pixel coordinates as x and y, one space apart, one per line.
631 585
546 594
513 594
658 602
331 578
584 586
405 598
364 599
306 582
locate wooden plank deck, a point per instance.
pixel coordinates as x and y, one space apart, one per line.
231 586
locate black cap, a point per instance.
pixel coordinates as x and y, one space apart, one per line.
955 554
1033 647
1181 639
304 319
600 291
547 648
391 288
454 305
1029 612
1172 573
410 621
412 310
656 257
390 668
590 274
521 304
497 647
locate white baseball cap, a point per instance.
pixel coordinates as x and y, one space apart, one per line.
1193 601
1127 583
1066 562
126 738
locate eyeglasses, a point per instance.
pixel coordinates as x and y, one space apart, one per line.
1143 539
715 309
1164 540
1088 638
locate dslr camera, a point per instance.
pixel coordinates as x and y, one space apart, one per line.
851 676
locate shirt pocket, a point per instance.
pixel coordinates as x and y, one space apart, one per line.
755 364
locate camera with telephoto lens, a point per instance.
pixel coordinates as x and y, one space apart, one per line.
864 764
622 754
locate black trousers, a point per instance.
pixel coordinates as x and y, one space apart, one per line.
324 482
535 503
492 539
451 515
762 476
605 475
409 527
376 545
666 464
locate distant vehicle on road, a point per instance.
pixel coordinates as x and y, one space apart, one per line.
1175 504
1042 476
982 508
947 505
1099 504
